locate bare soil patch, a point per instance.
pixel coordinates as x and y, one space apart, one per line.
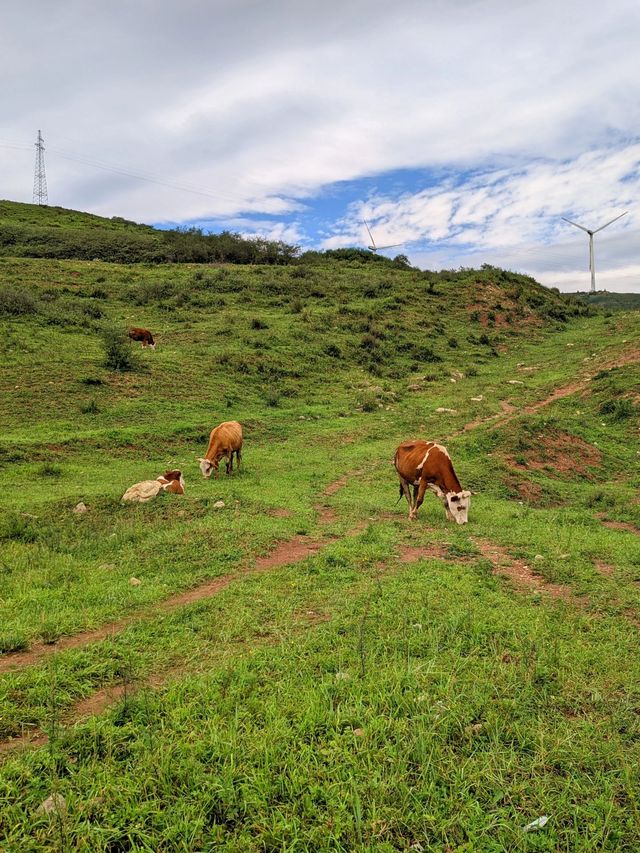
434 550
332 488
521 574
565 453
604 568
619 525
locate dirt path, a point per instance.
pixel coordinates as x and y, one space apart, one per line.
509 412
94 704
291 551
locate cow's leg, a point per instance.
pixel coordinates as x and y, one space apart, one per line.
422 488
404 488
238 457
230 462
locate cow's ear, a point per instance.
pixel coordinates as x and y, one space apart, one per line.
465 494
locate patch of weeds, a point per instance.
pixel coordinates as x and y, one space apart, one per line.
17 528
90 408
49 469
257 323
13 642
92 380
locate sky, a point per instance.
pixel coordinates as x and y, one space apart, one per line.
461 130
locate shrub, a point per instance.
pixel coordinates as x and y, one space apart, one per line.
118 351
257 323
14 303
453 343
619 410
296 305
333 351
90 408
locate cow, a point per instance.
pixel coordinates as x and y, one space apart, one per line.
143 335
170 481
427 465
224 441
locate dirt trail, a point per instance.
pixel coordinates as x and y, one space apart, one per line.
521 574
105 697
509 412
291 551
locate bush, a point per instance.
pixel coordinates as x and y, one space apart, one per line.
256 323
14 303
118 351
90 408
619 410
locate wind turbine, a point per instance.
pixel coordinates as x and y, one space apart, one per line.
590 232
373 247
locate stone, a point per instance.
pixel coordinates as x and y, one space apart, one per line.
218 505
135 581
54 803
80 508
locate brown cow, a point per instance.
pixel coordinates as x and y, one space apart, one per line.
427 465
143 335
224 441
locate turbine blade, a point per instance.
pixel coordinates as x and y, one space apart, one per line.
392 246
610 222
373 242
582 228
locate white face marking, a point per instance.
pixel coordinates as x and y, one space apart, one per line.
205 467
458 506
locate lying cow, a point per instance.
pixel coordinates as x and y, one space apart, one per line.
143 335
427 465
224 441
170 481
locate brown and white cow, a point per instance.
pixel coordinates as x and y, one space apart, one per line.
170 481
426 465
224 441
143 335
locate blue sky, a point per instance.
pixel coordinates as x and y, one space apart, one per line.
462 129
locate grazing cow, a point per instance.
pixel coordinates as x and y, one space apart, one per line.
427 465
170 481
143 335
224 441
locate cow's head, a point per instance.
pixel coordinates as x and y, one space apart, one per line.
458 506
207 466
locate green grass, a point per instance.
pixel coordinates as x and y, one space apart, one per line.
350 701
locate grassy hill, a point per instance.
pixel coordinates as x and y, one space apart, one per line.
30 230
303 668
611 301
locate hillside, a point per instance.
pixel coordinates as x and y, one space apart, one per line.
30 230
611 301
302 667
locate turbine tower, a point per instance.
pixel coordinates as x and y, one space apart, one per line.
592 265
40 195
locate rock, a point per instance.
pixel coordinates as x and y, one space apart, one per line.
54 803
358 732
539 558
477 399
441 410
80 508
135 581
218 505
515 382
